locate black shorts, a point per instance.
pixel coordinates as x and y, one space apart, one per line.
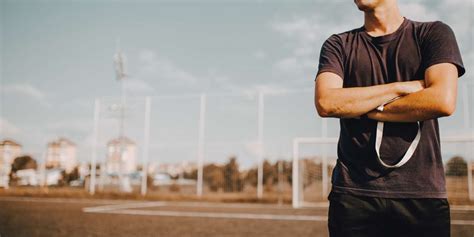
350 215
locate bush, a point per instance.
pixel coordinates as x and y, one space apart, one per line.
456 166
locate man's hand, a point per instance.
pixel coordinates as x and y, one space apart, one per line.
412 86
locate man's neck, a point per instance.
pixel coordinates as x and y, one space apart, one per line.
383 20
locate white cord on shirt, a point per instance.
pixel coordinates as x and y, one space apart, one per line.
378 141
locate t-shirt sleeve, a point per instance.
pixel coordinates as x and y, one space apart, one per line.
331 57
440 46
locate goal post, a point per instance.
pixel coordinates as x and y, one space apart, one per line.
299 169
299 174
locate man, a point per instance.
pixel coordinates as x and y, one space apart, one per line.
388 187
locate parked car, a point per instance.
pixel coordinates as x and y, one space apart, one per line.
160 179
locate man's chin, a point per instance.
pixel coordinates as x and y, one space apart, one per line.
364 8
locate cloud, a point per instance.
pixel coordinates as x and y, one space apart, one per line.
303 29
7 128
24 89
74 124
267 89
295 64
417 11
137 86
28 90
260 54
155 68
304 35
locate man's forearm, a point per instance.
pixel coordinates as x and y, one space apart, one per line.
356 101
422 105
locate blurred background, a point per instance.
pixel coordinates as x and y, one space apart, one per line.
189 100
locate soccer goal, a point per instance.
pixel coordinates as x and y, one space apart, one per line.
312 169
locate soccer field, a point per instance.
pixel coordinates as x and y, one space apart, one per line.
22 216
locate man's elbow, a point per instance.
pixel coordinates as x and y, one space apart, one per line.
324 114
322 108
447 107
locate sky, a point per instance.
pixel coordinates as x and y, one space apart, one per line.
56 58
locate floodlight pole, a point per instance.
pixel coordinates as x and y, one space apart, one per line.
121 134
200 155
465 99
121 75
145 145
325 158
260 146
295 175
43 169
94 147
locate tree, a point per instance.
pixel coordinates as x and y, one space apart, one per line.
456 166
68 177
233 181
270 173
213 176
23 162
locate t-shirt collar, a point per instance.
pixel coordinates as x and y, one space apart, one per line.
384 38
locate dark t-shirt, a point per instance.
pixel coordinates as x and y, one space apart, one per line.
364 60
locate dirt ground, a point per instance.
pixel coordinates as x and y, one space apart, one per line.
27 216
66 218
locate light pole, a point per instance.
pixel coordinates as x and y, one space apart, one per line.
121 74
260 145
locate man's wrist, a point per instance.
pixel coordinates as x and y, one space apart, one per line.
372 114
398 88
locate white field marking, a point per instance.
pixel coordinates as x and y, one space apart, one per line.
126 209
64 200
315 204
168 203
183 204
462 208
238 216
232 205
193 204
107 208
462 222
220 215
456 208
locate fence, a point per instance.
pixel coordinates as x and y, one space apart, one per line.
238 146
213 144
201 144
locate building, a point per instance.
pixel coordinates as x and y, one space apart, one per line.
114 161
9 150
61 153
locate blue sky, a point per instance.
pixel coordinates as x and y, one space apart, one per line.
56 57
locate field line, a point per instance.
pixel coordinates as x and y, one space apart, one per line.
220 215
63 200
107 208
238 215
462 222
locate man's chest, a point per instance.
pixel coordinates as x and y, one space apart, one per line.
370 64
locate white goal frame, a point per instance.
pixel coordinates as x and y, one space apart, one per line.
297 187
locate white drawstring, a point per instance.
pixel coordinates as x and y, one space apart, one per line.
378 141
